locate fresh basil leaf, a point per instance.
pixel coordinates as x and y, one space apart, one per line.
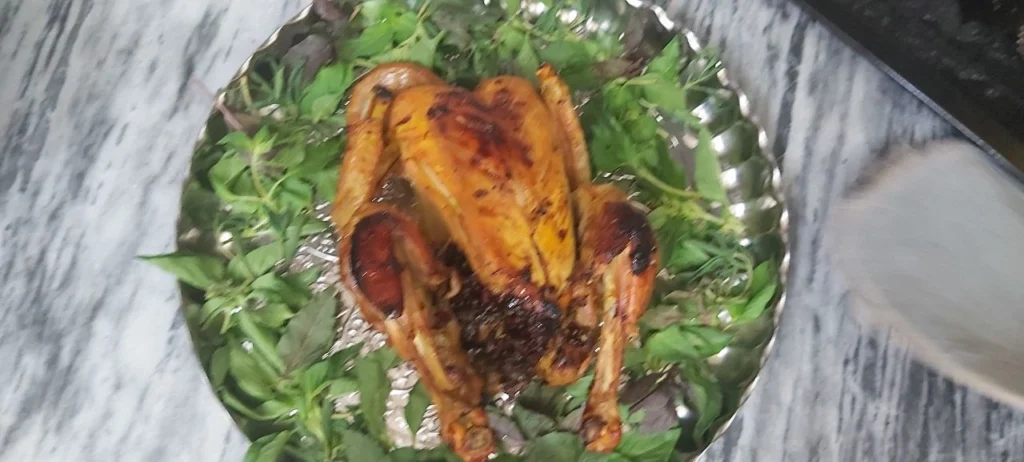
527 61
263 340
555 447
296 194
610 146
219 363
669 97
648 447
359 447
199 271
340 387
248 375
324 106
318 156
331 81
417 406
671 345
707 174
763 274
405 454
709 341
274 410
601 457
269 448
532 424
290 156
238 141
512 8
273 315
263 259
223 173
668 63
386 356
325 183
374 388
564 54
374 40
688 255
659 317
707 397
424 51
578 392
212 308
309 334
307 277
276 288
758 303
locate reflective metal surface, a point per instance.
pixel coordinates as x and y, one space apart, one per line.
750 176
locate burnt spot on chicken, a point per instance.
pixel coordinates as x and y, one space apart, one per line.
479 193
403 121
376 270
542 209
383 93
562 234
624 225
505 334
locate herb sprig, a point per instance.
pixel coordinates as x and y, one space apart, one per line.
262 333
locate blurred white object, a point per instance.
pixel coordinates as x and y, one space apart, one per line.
933 247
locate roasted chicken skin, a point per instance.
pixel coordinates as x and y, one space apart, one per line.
509 263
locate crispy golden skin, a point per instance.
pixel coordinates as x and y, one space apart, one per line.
539 266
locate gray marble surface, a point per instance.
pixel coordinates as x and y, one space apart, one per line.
96 120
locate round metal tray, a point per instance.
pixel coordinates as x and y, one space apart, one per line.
750 176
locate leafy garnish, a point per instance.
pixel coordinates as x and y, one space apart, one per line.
419 400
310 333
258 185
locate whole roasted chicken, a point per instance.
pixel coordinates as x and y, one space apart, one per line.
501 261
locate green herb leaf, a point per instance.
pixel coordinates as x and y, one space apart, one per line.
527 61
668 63
248 375
328 86
359 447
264 258
600 457
707 395
273 315
219 363
532 424
263 340
758 303
199 271
661 316
275 288
417 406
707 175
374 40
578 392
269 448
224 172
310 333
763 274
340 387
555 447
648 447
709 341
373 393
671 345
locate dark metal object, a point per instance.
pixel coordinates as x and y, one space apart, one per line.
961 57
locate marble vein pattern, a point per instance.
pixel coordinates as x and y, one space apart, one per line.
97 118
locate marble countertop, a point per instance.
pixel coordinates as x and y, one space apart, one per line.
96 120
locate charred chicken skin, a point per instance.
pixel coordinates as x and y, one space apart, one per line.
508 264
